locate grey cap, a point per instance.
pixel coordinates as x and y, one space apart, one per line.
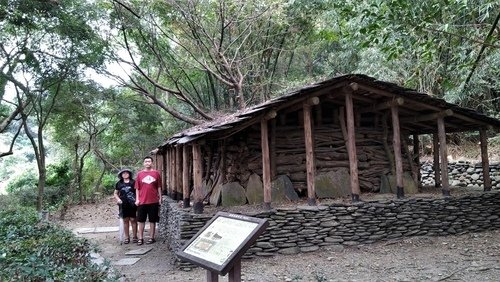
125 170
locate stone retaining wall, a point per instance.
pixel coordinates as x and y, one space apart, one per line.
308 228
463 174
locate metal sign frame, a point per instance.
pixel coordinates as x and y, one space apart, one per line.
223 241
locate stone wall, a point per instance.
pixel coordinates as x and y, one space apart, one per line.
463 174
308 228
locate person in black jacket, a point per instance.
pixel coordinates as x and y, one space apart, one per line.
125 197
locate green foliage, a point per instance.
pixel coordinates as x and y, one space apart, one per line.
24 188
59 174
108 182
35 250
24 182
431 46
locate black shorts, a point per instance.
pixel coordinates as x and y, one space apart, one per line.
151 211
127 210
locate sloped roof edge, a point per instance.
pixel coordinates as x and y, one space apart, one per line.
229 121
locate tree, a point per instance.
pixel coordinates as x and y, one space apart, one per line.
47 43
445 48
194 57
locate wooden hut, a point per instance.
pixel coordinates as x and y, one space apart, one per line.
351 126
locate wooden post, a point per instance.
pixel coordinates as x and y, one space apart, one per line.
266 170
436 165
158 160
272 149
443 152
484 160
351 146
396 142
416 158
167 170
173 191
197 179
164 174
212 276
178 174
185 176
310 167
234 274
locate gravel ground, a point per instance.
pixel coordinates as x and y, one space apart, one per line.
466 257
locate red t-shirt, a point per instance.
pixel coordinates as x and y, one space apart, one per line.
148 182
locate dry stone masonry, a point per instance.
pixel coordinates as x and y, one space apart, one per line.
307 228
463 174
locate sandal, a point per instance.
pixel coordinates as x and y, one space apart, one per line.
126 241
134 240
150 241
140 242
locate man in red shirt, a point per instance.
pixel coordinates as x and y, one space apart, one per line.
148 195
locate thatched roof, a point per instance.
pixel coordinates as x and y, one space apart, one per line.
370 92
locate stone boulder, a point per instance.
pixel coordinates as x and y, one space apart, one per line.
388 184
233 195
255 190
333 184
282 190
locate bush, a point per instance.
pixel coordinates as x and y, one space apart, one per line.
108 182
35 250
26 181
24 188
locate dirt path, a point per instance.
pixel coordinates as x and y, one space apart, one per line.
468 257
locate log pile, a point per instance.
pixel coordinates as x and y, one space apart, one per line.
243 155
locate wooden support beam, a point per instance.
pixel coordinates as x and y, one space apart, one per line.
484 160
423 105
178 174
197 179
436 165
416 158
270 115
383 106
266 169
351 147
185 176
396 141
310 167
433 116
443 152
164 173
272 149
173 191
312 101
354 86
167 168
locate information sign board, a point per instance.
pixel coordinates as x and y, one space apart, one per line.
222 241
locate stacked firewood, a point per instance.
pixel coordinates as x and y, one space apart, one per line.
243 156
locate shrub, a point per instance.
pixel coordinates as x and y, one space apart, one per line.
24 188
26 181
108 182
35 250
